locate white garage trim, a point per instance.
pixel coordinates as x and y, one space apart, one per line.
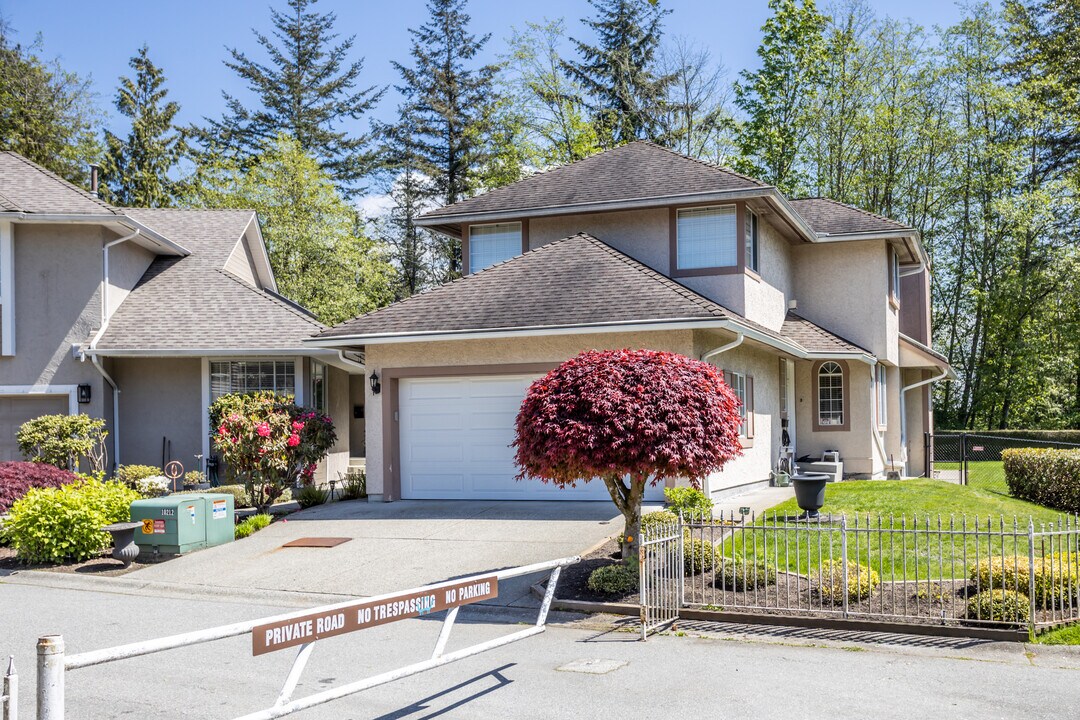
7 289
72 391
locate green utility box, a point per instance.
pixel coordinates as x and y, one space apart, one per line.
177 524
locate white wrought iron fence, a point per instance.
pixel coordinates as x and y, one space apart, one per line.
9 693
660 575
949 571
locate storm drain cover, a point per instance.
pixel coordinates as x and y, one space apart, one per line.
592 666
317 542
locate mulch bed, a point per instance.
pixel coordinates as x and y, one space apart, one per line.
102 565
907 601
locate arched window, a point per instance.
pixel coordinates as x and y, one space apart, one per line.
830 395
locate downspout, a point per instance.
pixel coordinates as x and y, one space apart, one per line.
347 361
101 331
707 357
903 409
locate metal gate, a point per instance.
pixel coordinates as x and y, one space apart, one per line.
660 573
975 458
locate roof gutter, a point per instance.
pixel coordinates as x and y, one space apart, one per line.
86 219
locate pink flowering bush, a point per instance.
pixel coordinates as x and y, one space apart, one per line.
269 442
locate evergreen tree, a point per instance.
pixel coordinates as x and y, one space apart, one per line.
47 113
777 99
320 254
136 169
307 90
448 101
619 73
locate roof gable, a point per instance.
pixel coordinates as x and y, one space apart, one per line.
633 172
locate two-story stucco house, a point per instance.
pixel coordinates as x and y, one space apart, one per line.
817 312
142 317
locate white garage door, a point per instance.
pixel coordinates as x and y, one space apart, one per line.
17 409
455 442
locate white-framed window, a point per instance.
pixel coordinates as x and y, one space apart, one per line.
830 380
743 387
882 396
240 376
490 244
706 238
751 232
894 275
317 398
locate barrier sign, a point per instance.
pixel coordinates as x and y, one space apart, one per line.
369 613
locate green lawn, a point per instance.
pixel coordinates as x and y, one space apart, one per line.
923 507
1069 635
982 474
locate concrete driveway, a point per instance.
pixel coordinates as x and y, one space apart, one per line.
395 546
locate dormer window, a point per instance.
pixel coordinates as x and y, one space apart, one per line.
490 244
706 238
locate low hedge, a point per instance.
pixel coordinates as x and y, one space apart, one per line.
1000 605
59 524
739 574
1044 476
829 581
17 478
613 579
251 525
699 556
1057 579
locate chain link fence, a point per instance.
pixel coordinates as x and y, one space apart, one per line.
974 459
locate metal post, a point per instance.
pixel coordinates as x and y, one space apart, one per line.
963 459
928 455
1031 576
50 677
843 559
11 691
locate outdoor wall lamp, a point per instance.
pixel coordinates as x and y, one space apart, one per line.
376 386
84 394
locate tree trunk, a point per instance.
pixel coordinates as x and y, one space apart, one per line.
628 500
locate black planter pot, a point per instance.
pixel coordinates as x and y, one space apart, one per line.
810 492
124 548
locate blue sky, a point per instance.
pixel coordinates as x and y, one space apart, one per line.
188 38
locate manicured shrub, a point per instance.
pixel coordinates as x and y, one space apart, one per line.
194 477
64 441
239 493
628 418
1002 605
131 474
310 496
699 556
613 579
656 522
1057 578
17 478
269 442
58 524
690 501
829 581
739 574
252 525
1044 476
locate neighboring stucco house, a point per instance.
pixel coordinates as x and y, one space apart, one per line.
818 313
148 315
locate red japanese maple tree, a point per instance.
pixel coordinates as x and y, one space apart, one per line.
628 417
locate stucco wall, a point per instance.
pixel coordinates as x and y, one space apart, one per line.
856 444
552 349
340 409
918 421
159 397
758 459
915 306
844 287
57 271
127 263
766 299
641 234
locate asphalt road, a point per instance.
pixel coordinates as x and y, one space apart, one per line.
713 672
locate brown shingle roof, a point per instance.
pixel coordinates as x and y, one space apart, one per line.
192 303
575 281
28 187
635 171
815 338
836 218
